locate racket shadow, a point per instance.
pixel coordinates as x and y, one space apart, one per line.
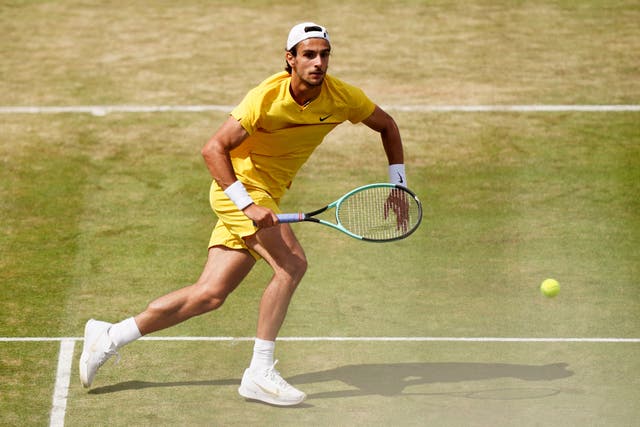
393 379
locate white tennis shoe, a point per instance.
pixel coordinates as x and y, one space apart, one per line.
268 386
96 350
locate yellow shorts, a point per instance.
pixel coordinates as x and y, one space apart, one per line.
233 225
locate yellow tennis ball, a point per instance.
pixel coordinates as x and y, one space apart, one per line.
550 288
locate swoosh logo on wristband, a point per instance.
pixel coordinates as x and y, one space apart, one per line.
400 176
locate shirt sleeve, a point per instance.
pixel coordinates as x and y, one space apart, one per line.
248 111
360 106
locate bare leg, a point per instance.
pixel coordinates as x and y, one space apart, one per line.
223 272
280 248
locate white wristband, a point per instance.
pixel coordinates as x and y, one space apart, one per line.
238 195
397 175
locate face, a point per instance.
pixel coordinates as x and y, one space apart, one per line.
311 63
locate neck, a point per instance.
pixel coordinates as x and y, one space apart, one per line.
302 92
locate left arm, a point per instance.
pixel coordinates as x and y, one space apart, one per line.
384 124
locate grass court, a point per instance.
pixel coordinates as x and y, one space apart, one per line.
101 213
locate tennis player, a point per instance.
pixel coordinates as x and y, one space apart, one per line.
253 158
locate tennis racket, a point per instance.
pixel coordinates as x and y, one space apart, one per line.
374 212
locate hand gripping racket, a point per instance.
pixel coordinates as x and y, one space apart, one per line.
374 212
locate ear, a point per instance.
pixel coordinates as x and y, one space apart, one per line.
290 58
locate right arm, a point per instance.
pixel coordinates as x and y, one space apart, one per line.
216 156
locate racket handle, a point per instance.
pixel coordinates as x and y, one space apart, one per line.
291 217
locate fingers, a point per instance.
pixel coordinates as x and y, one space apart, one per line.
267 221
262 217
397 202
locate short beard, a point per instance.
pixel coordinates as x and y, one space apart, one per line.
313 84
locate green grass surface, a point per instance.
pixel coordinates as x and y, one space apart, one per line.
409 384
99 215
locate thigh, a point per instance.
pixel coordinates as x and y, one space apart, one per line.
234 227
278 245
225 269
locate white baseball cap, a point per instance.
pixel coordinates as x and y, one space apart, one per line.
306 30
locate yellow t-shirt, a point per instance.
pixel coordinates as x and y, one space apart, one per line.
283 134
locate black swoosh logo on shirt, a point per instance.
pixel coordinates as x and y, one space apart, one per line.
322 119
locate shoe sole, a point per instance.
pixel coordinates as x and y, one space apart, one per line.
84 359
87 350
251 395
257 395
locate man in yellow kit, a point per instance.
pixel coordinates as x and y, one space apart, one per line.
253 158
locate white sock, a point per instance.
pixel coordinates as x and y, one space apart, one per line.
124 332
262 354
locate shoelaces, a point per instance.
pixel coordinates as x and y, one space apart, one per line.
274 376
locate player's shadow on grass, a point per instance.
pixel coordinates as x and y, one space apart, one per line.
139 385
393 379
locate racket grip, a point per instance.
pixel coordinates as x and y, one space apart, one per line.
291 217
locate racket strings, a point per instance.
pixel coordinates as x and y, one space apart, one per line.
379 213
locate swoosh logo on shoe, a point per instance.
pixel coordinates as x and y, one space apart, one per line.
322 119
275 392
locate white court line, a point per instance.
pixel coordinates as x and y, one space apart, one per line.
61 389
102 110
400 339
361 339
514 108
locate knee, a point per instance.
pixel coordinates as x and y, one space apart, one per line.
199 300
295 268
209 300
302 266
